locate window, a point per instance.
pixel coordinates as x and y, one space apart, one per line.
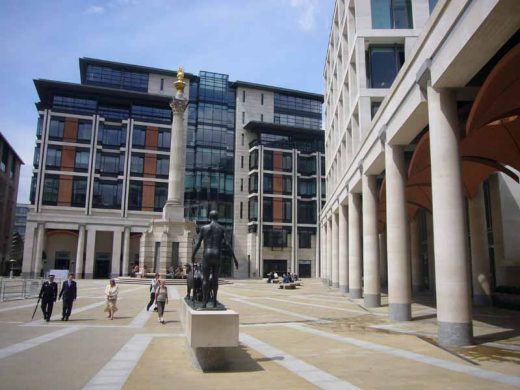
163 166
164 140
241 185
36 158
275 238
306 212
161 195
391 14
287 185
323 188
84 131
307 188
53 157
296 103
116 78
286 210
152 114
242 139
253 209
112 136
374 106
297 121
51 186
12 171
107 194
307 165
253 183
304 240
262 99
322 165
79 192
56 128
384 64
137 164
162 84
109 163
241 210
39 127
432 4
135 195
253 159
81 160
117 113
268 183
241 161
268 160
243 117
139 136
261 117
243 96
76 105
268 209
287 162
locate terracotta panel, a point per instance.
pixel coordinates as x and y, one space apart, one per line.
277 161
65 191
277 210
150 165
68 156
148 196
277 184
70 132
152 138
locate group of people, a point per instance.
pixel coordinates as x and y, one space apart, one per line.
287 277
49 295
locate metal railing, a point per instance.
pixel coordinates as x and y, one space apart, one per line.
13 289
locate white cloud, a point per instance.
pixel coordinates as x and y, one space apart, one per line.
307 13
95 10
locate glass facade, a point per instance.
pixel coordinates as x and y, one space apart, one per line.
116 78
384 62
297 111
391 14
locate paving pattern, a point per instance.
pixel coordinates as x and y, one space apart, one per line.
311 337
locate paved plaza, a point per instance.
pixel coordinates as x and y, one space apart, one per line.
311 337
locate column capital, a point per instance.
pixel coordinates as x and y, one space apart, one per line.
178 106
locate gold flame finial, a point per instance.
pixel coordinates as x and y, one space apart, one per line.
180 84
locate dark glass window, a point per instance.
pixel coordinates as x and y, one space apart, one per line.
111 164
152 114
53 157
243 96
286 210
32 194
268 160
107 194
268 183
241 210
39 127
383 65
394 14
262 99
36 158
306 212
253 183
138 136
74 104
287 185
135 195
243 117
268 209
304 240
56 128
117 113
5 157
275 238
307 165
253 209
137 164
374 106
112 136
241 185
322 165
116 78
81 160
79 192
253 159
297 121
432 4
323 188
51 187
162 84
163 166
287 162
296 103
307 188
84 131
164 140
161 195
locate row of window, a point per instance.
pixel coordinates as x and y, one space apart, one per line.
306 164
135 195
297 121
139 138
117 78
279 238
280 210
57 129
296 103
4 161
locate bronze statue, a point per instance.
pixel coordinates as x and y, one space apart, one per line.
214 238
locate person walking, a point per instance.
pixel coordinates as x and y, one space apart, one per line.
48 295
161 299
154 284
111 292
68 292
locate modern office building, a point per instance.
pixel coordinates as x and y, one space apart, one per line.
102 157
10 164
20 218
422 133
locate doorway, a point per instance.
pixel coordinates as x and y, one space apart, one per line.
102 265
278 266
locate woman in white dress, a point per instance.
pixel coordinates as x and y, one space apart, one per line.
111 292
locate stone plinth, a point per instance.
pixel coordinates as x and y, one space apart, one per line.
210 335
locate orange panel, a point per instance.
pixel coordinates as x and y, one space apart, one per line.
277 184
152 137
65 191
277 161
68 155
150 162
70 132
148 196
277 210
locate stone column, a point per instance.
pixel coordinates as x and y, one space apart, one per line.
383 266
480 267
40 236
343 250
415 251
335 262
28 250
90 253
126 252
398 247
372 285
116 254
451 257
354 246
329 252
321 243
324 242
80 250
174 207
431 252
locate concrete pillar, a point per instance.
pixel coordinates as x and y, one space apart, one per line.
40 236
383 269
372 285
80 250
431 252
415 252
343 248
451 257
329 252
335 262
321 242
480 267
116 254
28 250
324 252
354 246
126 253
398 247
90 253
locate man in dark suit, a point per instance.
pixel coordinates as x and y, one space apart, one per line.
68 292
48 295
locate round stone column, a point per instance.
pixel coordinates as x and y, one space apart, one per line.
343 250
480 267
398 246
415 251
354 245
451 257
329 251
372 286
335 262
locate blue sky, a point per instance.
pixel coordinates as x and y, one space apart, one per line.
277 42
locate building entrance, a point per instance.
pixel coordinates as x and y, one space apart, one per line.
304 268
102 265
278 266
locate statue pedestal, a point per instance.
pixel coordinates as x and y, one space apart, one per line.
210 335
